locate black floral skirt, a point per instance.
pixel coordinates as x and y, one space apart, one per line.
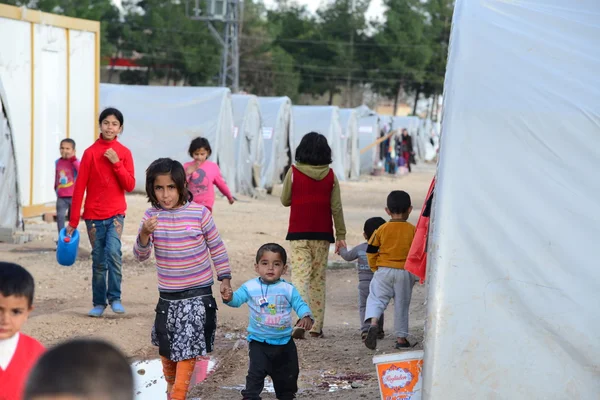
185 324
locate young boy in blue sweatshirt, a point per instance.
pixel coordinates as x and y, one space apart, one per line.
271 300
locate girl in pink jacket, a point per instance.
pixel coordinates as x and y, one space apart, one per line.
202 175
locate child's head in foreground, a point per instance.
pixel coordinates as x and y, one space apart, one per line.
271 262
398 204
200 149
371 225
81 369
67 148
313 150
16 298
166 186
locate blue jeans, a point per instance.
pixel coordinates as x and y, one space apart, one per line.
105 238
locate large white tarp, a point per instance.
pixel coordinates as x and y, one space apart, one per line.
349 142
277 127
324 120
161 121
368 133
249 146
514 273
10 209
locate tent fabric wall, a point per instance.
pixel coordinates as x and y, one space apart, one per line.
161 121
277 128
51 83
368 132
10 210
514 274
349 142
249 146
324 120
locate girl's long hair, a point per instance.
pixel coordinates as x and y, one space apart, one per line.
167 166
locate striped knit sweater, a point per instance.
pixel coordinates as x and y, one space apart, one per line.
184 241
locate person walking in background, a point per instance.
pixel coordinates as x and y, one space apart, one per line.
404 148
312 192
185 240
202 175
66 168
105 174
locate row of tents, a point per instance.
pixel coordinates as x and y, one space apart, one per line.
253 138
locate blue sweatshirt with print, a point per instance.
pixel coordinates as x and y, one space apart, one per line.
272 322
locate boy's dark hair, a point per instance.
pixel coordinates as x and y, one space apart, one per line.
313 150
371 225
273 248
167 166
199 143
398 202
85 368
107 112
70 141
16 281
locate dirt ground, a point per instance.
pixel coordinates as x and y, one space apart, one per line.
63 295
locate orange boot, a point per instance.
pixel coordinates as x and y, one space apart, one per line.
185 369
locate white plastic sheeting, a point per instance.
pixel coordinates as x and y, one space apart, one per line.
249 146
514 275
368 132
161 121
324 120
277 127
10 210
349 142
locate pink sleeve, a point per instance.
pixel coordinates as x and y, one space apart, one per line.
221 184
185 167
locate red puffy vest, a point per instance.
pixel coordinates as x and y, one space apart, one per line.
310 211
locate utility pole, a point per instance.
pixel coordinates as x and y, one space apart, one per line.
349 82
230 13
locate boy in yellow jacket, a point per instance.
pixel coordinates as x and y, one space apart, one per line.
387 253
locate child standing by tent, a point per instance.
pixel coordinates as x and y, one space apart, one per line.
64 181
365 275
105 174
185 239
312 192
387 253
271 300
202 175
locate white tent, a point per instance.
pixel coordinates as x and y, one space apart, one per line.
514 273
249 146
10 206
349 142
368 133
324 120
276 114
161 121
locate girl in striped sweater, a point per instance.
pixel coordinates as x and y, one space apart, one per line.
185 239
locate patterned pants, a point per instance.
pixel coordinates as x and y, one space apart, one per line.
309 262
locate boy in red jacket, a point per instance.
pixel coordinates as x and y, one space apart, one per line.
105 174
18 352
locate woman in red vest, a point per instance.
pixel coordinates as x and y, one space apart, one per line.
312 191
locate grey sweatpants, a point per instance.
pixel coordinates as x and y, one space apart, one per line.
387 284
63 209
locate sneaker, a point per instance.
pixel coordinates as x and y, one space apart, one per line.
298 333
97 311
404 345
117 307
371 339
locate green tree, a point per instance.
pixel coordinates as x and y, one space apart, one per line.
402 50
